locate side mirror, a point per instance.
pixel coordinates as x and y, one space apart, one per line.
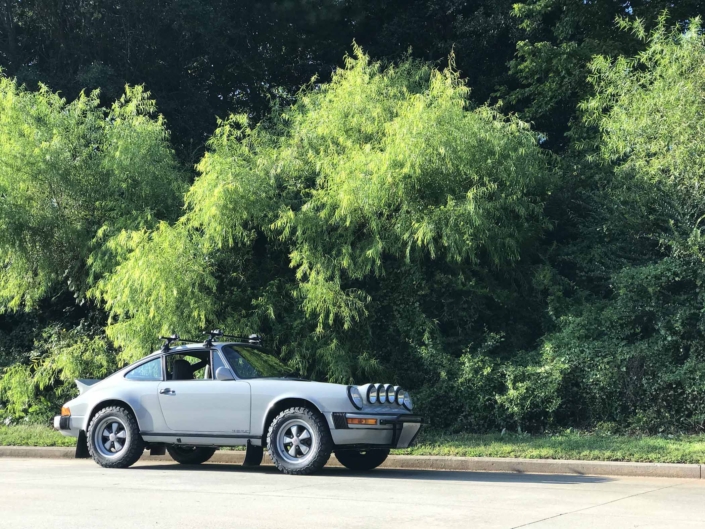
223 373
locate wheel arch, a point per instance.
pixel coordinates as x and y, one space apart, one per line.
104 404
283 404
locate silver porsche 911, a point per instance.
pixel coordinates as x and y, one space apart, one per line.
191 399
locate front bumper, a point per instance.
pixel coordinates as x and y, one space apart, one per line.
391 430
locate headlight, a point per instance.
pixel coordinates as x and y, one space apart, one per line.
382 393
392 394
400 396
355 397
408 403
372 394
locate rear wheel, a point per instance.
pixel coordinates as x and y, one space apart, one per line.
113 438
299 442
361 460
190 455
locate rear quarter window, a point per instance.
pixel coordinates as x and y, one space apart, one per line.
150 371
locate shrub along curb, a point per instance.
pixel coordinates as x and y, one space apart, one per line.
467 464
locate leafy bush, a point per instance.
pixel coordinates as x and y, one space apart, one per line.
59 357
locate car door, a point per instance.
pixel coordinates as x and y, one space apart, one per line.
206 405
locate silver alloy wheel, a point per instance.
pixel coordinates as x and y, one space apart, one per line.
296 441
110 437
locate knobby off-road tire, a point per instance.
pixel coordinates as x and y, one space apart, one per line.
190 455
114 439
362 460
299 442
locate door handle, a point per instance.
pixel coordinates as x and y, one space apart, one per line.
167 391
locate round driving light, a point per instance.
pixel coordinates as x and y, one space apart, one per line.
355 397
392 394
372 394
382 393
400 396
408 403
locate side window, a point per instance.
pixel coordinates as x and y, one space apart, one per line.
151 371
188 366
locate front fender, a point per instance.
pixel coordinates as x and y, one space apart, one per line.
268 396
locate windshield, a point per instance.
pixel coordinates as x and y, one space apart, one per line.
248 362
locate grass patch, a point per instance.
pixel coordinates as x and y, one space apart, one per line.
33 435
567 445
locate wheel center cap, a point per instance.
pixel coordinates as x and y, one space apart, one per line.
112 436
296 440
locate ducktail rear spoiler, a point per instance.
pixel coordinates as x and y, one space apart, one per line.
84 384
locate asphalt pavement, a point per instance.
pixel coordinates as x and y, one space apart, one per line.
78 494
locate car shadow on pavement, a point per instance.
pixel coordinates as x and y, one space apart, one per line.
389 473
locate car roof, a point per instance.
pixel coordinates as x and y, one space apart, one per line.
201 346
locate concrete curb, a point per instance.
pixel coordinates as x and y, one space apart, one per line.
464 464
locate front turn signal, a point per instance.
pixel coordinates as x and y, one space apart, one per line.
65 412
369 422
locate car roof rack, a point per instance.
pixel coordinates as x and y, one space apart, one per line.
254 339
168 340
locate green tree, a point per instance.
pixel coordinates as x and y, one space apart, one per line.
380 188
68 172
71 175
208 58
632 330
560 39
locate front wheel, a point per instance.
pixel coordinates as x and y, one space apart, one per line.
299 442
361 460
114 440
190 455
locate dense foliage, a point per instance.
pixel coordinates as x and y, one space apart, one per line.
71 174
384 222
377 179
